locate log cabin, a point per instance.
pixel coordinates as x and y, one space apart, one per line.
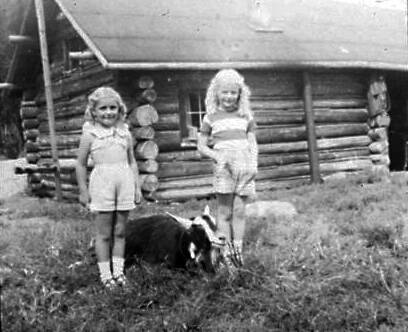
328 82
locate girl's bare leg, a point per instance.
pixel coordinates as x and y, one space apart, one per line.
238 224
224 215
103 223
238 214
118 250
224 222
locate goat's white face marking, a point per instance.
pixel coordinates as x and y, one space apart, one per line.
187 223
192 250
211 219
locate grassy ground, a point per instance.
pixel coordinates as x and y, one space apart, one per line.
341 265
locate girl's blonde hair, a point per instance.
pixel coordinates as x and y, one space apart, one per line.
104 92
229 76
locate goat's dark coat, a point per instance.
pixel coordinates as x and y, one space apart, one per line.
162 239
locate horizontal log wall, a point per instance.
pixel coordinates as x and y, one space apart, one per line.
178 172
70 93
340 108
70 100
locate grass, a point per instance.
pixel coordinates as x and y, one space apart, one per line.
340 265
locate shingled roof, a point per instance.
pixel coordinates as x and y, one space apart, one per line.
211 34
242 33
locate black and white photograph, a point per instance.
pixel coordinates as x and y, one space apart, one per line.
204 165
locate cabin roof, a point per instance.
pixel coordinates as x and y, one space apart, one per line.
126 34
212 34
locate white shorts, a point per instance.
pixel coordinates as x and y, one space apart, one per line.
112 187
236 173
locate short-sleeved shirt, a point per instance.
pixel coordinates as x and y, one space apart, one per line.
111 184
228 130
109 144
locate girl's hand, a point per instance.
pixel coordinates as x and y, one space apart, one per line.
138 196
220 162
84 198
218 158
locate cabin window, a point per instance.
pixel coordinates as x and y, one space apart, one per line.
72 45
192 114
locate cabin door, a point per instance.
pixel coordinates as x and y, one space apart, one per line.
397 85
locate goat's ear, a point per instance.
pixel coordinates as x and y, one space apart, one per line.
206 210
196 221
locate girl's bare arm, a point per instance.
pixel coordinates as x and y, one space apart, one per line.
253 147
81 165
133 165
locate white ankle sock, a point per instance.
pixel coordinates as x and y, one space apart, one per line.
118 264
238 252
238 246
104 271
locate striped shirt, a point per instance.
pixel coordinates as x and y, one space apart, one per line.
228 130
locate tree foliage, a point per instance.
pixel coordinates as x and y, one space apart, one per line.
11 16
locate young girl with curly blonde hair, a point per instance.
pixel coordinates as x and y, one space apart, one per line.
230 125
113 184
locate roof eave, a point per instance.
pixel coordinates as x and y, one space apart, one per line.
88 41
255 65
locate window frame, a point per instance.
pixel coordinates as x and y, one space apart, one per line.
72 44
189 132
